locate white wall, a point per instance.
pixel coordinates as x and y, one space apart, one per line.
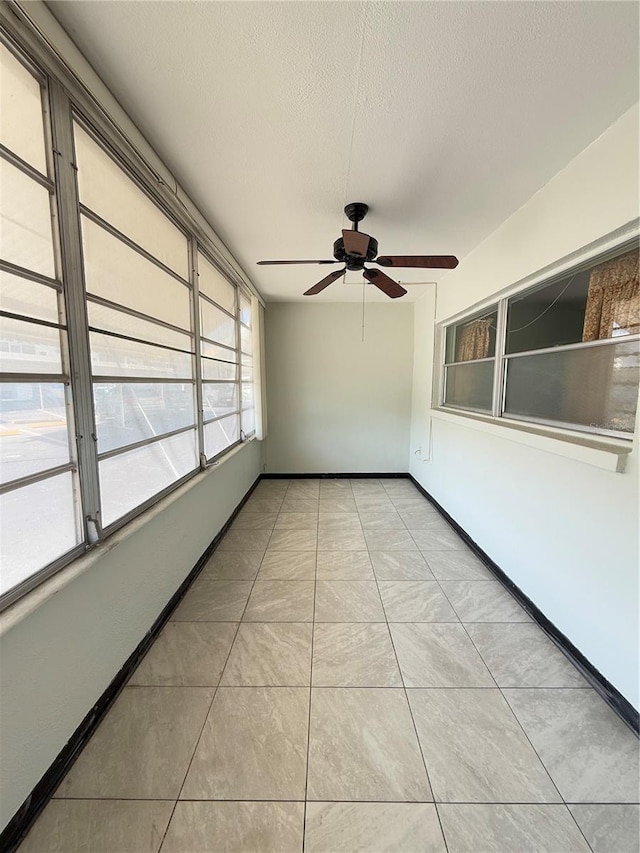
337 404
56 662
565 531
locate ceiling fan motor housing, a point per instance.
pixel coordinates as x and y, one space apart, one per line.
354 262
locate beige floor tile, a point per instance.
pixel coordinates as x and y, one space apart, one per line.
288 565
341 540
294 540
270 503
99 826
382 520
253 746
475 749
254 521
354 754
440 540
456 565
374 502
342 504
519 654
373 828
270 654
438 655
589 752
187 654
142 748
510 829
281 601
400 566
348 601
389 540
245 540
344 565
232 565
294 504
357 654
213 601
415 601
224 827
330 523
609 828
483 601
297 521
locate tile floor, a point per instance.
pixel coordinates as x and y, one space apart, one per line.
345 675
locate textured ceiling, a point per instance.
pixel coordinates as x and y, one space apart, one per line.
445 117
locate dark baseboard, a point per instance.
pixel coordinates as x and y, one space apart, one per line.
21 822
623 708
333 476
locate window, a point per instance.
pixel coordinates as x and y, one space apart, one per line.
569 355
220 360
126 353
470 362
39 498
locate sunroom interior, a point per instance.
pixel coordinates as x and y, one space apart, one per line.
152 374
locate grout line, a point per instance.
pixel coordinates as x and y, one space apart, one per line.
413 722
313 631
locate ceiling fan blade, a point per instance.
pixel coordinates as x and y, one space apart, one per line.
320 286
355 243
384 283
445 262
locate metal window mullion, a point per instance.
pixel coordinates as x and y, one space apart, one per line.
29 275
37 477
76 309
498 370
139 315
238 362
195 320
27 169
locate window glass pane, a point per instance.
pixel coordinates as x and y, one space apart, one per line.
212 369
33 428
219 399
118 357
128 412
216 325
247 372
125 324
21 296
21 124
214 285
248 421
472 339
247 395
37 525
219 353
595 387
120 274
470 386
108 191
29 347
245 310
25 222
246 343
600 302
220 435
130 479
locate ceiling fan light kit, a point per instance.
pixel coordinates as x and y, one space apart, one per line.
355 248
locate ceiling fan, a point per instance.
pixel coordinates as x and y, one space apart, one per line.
354 248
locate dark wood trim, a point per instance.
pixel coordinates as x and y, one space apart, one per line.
611 695
333 476
21 822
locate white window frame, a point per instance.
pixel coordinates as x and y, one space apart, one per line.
559 272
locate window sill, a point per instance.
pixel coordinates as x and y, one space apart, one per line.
39 595
607 453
